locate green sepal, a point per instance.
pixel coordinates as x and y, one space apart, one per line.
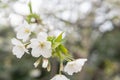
55 45
35 16
51 39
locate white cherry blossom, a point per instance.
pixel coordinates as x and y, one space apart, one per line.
40 46
59 77
19 48
15 19
24 31
74 66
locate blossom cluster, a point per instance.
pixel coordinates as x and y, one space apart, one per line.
34 37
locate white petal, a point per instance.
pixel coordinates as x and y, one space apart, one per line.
46 53
69 68
34 43
59 77
47 45
42 36
22 34
36 52
39 28
18 51
20 29
81 61
26 37
16 42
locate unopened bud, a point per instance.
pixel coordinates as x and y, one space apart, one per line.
45 63
37 63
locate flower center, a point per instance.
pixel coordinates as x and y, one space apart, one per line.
41 45
72 64
27 30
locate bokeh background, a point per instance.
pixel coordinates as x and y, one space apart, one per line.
92 31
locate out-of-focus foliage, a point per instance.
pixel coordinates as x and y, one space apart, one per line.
105 57
92 30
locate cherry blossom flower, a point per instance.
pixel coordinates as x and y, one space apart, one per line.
24 31
74 66
19 48
60 77
41 46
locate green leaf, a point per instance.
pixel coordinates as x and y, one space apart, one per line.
63 49
59 38
55 45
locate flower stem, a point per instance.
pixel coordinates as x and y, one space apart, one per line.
30 7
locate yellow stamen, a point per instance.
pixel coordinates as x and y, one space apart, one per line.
42 45
27 30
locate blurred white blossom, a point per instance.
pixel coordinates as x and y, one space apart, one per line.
107 26
21 8
15 19
85 7
35 73
3 19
